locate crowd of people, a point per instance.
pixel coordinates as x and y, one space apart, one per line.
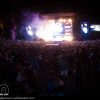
50 69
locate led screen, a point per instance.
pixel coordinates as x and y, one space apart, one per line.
95 27
85 27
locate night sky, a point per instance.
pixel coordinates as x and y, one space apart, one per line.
50 6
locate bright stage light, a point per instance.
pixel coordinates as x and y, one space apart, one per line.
63 38
69 38
52 30
95 27
52 21
85 30
44 34
85 27
70 20
60 20
57 28
48 30
58 38
29 30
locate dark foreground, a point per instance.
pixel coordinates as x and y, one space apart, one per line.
40 69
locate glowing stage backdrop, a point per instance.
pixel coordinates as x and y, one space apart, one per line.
51 29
